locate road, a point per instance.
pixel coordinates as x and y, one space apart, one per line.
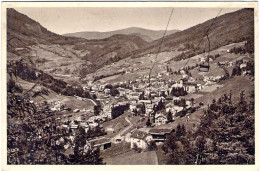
93 102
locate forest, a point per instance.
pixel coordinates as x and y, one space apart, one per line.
225 135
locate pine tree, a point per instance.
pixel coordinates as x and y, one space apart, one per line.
143 109
148 122
169 116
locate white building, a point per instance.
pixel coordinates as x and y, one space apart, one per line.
242 66
177 109
160 119
190 88
107 91
178 84
148 109
140 138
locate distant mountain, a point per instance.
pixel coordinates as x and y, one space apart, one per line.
228 28
145 34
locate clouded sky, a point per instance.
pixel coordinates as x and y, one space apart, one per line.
70 20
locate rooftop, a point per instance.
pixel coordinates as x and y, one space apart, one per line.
139 134
160 130
99 141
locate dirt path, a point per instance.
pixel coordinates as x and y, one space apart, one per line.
93 102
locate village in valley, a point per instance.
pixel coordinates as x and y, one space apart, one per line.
123 112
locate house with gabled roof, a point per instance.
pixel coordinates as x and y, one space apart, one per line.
140 139
159 134
101 143
160 119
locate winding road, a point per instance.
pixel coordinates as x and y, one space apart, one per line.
92 101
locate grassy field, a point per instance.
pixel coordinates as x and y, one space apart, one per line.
117 124
147 61
74 103
134 158
136 63
235 85
137 122
115 150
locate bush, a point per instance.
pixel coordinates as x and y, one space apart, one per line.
137 149
152 146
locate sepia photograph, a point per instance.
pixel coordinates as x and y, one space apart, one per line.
146 85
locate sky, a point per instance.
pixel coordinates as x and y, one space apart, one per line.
71 20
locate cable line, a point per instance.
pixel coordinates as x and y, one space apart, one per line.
160 46
206 33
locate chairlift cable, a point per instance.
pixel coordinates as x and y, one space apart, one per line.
206 33
209 49
160 46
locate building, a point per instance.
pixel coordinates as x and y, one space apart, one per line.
159 134
140 138
160 119
169 107
101 143
190 87
74 127
148 109
132 106
230 64
189 103
107 91
76 110
242 66
178 84
191 79
177 109
122 91
222 63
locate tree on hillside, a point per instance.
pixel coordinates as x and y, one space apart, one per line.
249 45
81 156
182 103
109 86
135 112
94 96
169 116
143 110
179 131
141 97
114 92
200 148
160 105
152 146
97 109
148 122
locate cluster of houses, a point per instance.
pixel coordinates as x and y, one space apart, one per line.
143 95
153 91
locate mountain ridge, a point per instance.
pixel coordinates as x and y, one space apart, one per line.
228 28
146 34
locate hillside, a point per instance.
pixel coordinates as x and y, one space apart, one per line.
62 55
22 31
76 57
145 34
228 28
111 49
